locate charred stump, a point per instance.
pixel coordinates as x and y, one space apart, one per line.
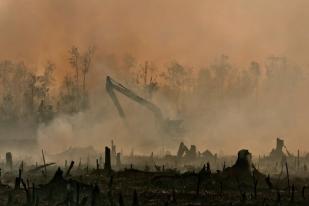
9 160
118 161
107 163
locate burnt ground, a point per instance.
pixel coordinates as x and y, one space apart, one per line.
137 187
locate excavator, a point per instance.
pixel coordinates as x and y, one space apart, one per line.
171 127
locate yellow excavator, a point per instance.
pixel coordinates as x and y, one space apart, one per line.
171 127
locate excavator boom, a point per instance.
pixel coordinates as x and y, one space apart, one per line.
112 85
171 126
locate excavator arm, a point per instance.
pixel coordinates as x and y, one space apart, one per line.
112 85
173 127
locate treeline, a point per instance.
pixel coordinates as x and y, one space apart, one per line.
221 83
28 96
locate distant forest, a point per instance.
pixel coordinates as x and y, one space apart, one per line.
27 96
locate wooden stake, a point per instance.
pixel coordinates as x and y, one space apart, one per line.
44 163
297 159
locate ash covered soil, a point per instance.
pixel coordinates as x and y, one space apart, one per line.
188 178
81 185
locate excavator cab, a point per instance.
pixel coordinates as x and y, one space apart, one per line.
171 127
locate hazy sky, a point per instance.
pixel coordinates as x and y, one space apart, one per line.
193 32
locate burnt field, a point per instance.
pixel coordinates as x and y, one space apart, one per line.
187 178
136 187
133 187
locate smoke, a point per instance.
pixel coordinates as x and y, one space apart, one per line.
192 32
101 124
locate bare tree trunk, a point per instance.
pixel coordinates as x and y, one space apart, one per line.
45 170
77 75
84 83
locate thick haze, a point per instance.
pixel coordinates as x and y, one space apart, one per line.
191 32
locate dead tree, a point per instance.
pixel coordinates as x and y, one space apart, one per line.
44 163
208 170
118 161
18 180
298 162
107 163
70 168
9 160
98 165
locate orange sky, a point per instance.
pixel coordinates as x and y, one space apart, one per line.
193 32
